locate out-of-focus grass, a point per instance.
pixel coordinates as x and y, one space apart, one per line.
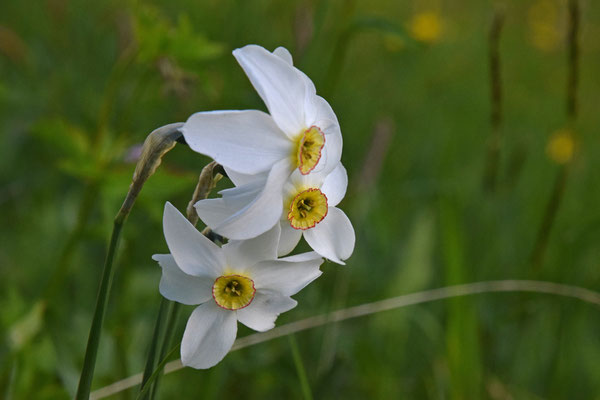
82 83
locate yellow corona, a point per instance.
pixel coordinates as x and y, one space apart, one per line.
233 292
308 149
307 209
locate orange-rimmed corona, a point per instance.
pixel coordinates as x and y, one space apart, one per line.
308 149
233 292
307 209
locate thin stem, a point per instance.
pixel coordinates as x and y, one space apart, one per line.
89 363
560 181
573 60
426 296
154 342
168 338
490 176
541 242
306 392
156 373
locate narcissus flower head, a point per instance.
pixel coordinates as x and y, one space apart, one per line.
301 132
301 127
241 281
307 208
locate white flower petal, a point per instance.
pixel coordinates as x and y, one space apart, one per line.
333 237
261 314
248 142
178 286
309 256
193 253
213 212
284 54
278 83
257 216
320 113
208 337
286 275
335 185
240 179
331 154
241 254
289 238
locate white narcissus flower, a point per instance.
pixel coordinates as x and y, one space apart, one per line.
301 133
308 208
241 281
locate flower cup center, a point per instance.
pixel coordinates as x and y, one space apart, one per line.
233 292
307 209
308 149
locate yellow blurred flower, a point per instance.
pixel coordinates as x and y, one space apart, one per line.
426 26
561 146
543 21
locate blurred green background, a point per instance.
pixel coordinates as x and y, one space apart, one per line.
83 82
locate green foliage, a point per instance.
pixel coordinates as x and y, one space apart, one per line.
158 37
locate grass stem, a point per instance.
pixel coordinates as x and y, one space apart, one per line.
560 181
490 176
300 370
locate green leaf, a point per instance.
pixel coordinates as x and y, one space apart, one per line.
462 331
27 327
62 138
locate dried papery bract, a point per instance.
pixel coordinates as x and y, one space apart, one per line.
209 177
156 145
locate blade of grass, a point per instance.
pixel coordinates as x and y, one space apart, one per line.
462 331
156 373
168 338
164 303
306 392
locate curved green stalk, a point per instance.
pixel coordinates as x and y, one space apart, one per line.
156 145
89 363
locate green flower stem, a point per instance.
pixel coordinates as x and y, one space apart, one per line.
164 303
156 145
156 373
167 339
306 392
89 363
